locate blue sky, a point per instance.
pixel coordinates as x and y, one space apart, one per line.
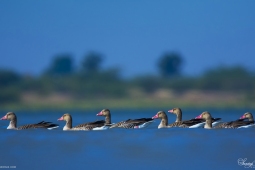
131 34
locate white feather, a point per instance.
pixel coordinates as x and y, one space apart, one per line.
247 126
199 125
53 127
101 128
145 124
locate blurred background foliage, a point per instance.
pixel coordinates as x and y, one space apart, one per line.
62 81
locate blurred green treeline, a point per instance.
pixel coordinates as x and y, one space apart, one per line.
90 81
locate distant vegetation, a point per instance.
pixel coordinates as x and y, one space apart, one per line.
64 83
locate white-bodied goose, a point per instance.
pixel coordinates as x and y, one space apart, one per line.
13 123
96 125
240 123
192 123
133 123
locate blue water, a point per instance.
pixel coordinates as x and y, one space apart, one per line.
149 148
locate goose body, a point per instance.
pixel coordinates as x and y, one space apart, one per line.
96 125
192 123
13 123
133 123
240 123
236 124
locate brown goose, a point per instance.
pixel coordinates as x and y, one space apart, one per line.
107 114
192 123
164 119
13 123
85 126
240 123
247 115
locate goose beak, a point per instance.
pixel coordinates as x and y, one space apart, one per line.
199 117
100 114
171 111
4 118
242 117
155 117
61 118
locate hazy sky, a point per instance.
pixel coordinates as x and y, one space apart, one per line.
132 34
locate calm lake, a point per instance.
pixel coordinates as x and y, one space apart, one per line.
150 148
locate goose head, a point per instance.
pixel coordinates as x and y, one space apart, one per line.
66 117
104 112
247 115
177 112
160 115
9 116
205 115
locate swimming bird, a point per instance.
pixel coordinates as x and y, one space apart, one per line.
192 123
240 123
96 125
107 114
164 121
13 123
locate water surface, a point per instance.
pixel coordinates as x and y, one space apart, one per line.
149 148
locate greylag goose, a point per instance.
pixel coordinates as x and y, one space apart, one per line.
192 123
107 114
164 121
13 123
133 123
248 116
85 126
240 123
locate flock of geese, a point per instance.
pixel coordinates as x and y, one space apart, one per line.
203 120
